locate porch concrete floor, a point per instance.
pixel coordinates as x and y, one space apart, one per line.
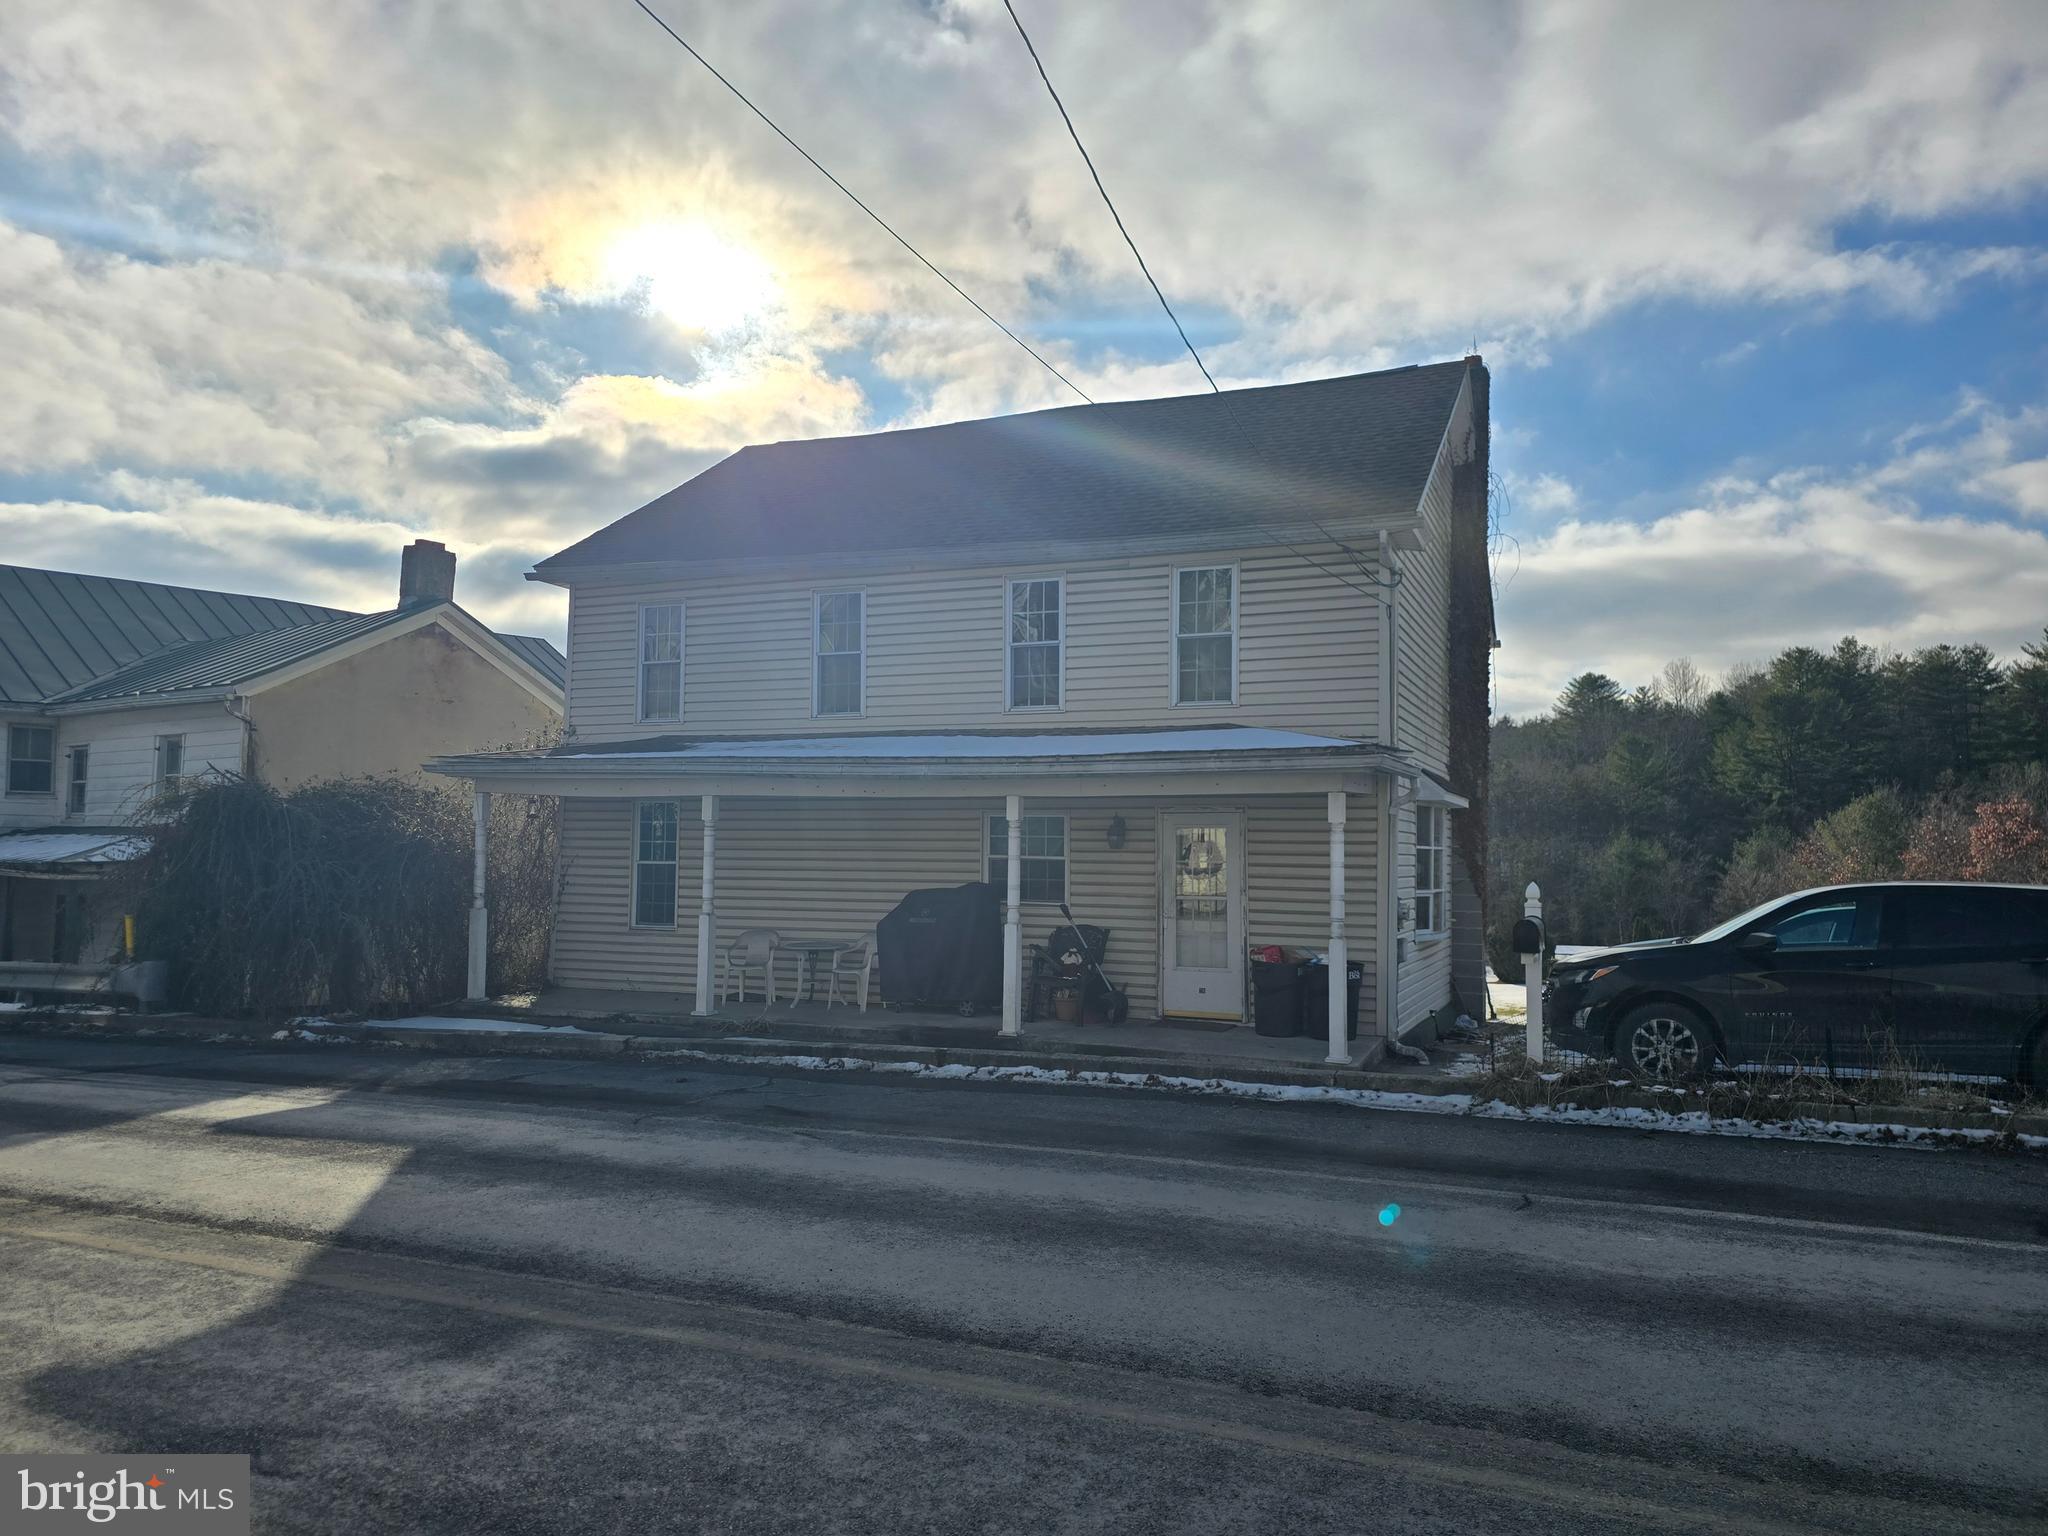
807 1022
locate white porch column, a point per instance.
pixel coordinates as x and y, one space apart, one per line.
1013 919
707 914
479 919
1340 1045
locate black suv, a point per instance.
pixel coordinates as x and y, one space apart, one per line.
1949 978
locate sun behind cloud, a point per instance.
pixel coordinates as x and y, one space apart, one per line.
691 274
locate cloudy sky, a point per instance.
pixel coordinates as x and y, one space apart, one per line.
1764 287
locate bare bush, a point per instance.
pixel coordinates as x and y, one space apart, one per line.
344 895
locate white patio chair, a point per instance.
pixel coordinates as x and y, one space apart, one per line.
752 949
855 963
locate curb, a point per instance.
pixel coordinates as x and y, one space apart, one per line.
567 1042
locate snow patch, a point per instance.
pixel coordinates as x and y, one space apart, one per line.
1231 738
449 1022
1687 1123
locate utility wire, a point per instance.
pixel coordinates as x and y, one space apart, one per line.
1358 560
1089 161
864 208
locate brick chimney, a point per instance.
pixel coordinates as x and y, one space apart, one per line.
426 573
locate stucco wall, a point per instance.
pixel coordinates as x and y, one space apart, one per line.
389 709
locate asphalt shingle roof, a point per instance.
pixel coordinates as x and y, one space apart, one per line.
1358 446
76 638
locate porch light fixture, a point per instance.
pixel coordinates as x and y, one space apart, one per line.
1117 831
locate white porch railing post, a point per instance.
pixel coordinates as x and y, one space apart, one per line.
1013 918
479 918
1532 976
1340 1044
707 907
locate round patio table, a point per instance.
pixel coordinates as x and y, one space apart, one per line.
808 952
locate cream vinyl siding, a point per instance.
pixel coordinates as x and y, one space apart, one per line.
1424 979
121 761
833 869
936 651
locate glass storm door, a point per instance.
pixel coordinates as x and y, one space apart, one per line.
1203 954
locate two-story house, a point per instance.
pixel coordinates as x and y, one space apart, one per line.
112 691
1191 664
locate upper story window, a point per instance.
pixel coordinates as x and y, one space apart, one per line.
1205 635
661 661
839 663
74 780
29 750
1432 881
170 761
1037 650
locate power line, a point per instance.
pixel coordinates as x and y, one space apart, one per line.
863 207
1214 388
1089 161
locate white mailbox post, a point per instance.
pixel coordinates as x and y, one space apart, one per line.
1529 939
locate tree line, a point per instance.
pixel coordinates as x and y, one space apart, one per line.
1661 810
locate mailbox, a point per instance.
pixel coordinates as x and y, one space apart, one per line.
1529 936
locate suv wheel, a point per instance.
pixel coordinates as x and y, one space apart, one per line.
1663 1043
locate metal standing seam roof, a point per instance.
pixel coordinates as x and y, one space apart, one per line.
70 847
939 755
67 638
1329 449
59 630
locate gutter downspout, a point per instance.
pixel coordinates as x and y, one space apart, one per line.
1386 966
237 705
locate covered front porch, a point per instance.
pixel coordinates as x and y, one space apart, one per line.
1190 846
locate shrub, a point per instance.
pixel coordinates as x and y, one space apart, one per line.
349 895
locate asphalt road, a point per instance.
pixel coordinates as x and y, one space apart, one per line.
464 1294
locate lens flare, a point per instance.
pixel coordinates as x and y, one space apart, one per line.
1389 1214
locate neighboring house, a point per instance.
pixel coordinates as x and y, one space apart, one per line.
112 690
1181 661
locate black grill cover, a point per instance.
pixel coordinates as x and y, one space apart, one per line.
944 947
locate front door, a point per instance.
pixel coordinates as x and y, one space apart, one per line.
1202 954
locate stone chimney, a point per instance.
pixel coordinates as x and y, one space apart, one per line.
426 573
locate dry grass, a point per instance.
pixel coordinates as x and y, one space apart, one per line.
1767 1091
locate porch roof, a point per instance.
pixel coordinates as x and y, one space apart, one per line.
52 852
973 760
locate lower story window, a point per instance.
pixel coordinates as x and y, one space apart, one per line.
1043 864
654 865
1432 884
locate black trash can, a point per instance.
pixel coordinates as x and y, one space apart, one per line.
1276 998
1315 999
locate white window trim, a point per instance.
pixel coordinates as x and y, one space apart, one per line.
74 779
1066 635
640 662
817 606
1441 891
1173 636
634 862
167 780
988 821
7 767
